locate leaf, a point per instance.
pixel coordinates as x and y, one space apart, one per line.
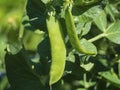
87 28
94 12
81 89
90 14
32 39
14 47
71 57
44 48
78 10
113 32
83 28
84 3
45 55
110 77
88 46
101 21
109 10
104 62
36 12
45 1
87 17
3 45
84 83
83 19
19 73
88 66
26 23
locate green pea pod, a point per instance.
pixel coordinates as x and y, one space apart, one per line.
74 40
58 50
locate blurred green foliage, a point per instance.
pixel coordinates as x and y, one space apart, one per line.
11 12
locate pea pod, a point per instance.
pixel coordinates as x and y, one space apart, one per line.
58 50
74 40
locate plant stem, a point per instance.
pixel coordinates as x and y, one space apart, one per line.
21 32
97 37
50 87
85 80
119 69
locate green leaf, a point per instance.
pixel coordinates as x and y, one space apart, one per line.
44 53
101 21
110 77
45 1
88 46
104 62
94 12
32 39
44 48
83 18
88 66
84 83
83 28
14 47
84 2
19 73
109 10
113 32
36 12
90 14
26 23
3 45
81 89
87 28
71 57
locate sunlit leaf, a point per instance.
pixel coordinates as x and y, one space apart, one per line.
32 39
88 66
101 21
109 10
111 78
113 32
88 46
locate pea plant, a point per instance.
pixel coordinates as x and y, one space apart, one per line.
65 45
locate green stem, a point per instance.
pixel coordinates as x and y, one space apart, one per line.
21 32
119 69
50 87
97 37
85 80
